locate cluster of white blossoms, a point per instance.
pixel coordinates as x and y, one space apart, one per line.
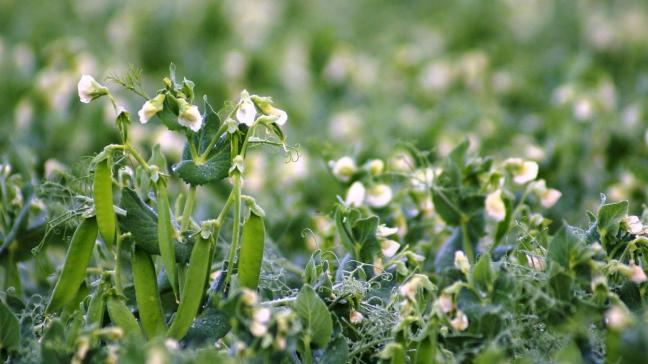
377 195
522 172
247 109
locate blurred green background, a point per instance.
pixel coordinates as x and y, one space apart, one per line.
560 82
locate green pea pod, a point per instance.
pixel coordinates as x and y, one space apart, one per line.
146 294
165 236
76 261
103 200
194 287
96 307
121 316
251 253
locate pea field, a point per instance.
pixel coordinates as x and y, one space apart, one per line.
324 181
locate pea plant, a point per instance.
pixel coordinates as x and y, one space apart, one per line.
419 260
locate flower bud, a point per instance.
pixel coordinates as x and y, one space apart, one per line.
637 274
355 195
265 106
617 318
343 169
246 112
355 317
536 262
249 297
409 288
461 262
89 89
460 322
550 197
445 302
379 195
374 166
150 108
422 179
495 207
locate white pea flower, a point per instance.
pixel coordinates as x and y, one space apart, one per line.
549 197
637 274
617 318
260 319
536 262
422 179
384 231
374 166
461 262
150 108
445 302
171 344
258 329
389 247
633 224
249 297
379 195
189 115
495 207
527 173
343 168
409 288
355 195
460 322
522 171
89 89
355 317
246 111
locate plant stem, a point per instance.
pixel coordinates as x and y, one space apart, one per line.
467 246
308 356
236 191
188 208
118 266
137 157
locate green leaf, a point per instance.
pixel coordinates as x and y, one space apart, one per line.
567 249
169 114
9 329
337 351
215 168
483 276
53 349
141 222
314 315
208 327
609 219
364 231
